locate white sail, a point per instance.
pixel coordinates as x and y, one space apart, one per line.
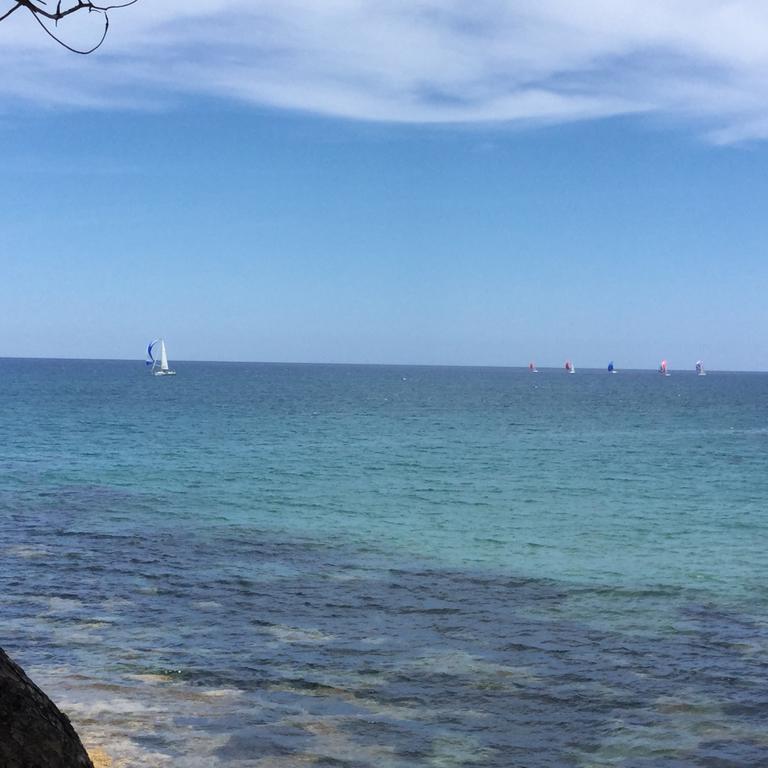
159 367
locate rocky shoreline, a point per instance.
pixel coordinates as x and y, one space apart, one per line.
33 731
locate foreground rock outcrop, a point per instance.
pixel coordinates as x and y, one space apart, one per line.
33 732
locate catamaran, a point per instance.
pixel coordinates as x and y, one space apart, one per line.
159 367
700 368
532 368
569 367
611 369
663 368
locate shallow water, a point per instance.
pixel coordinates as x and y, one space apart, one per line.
273 565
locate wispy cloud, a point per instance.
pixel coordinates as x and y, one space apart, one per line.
419 61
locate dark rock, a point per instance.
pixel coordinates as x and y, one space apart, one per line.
33 732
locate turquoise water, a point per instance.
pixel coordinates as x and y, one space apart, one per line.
390 566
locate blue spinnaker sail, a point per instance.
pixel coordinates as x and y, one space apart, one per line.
151 360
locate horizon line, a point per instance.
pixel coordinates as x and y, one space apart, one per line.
369 364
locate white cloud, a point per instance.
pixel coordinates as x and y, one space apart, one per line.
421 61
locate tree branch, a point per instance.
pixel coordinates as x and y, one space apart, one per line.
39 11
8 13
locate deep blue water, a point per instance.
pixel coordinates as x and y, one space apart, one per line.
289 565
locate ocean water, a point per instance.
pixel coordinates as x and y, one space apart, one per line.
290 565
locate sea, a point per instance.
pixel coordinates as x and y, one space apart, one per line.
390 567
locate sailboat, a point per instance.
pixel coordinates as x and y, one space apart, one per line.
159 367
532 368
569 367
700 368
663 368
611 369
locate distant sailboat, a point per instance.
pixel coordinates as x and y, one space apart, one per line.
663 368
159 367
611 369
569 367
532 368
700 368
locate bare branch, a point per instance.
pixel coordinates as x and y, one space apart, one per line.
34 6
40 12
8 13
69 47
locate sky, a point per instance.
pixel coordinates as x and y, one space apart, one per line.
390 182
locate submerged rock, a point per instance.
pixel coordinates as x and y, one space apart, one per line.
33 732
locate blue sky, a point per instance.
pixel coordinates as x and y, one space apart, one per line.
365 225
